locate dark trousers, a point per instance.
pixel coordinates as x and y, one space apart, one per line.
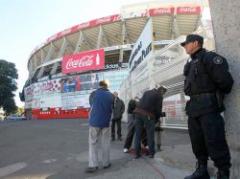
119 128
207 136
131 132
149 124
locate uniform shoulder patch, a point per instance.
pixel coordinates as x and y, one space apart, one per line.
218 60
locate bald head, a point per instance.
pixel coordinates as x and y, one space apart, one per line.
115 94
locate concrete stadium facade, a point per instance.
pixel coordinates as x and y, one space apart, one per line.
65 69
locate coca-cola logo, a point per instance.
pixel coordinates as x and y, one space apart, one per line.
187 10
84 61
162 11
116 18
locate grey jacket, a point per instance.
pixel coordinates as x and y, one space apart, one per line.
118 108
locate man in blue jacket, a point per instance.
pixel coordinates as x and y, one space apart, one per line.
101 101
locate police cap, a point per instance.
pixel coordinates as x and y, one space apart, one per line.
193 38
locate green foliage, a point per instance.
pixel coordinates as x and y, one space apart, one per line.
20 110
9 106
8 76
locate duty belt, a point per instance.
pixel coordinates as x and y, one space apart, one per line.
203 95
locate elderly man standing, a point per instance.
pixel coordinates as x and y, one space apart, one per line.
101 101
118 111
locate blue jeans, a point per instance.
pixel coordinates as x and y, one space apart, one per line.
149 124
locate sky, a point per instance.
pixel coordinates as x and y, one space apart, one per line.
26 24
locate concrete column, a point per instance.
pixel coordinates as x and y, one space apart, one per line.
226 29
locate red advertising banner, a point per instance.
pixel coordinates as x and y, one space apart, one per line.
105 20
189 10
92 23
161 11
83 61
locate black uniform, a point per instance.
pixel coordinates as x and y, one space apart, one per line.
207 79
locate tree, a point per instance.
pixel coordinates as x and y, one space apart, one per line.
8 85
20 110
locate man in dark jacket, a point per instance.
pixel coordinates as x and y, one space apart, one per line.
101 101
207 80
118 111
147 113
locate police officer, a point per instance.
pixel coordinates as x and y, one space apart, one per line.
207 80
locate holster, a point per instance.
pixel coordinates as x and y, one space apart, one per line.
202 104
220 98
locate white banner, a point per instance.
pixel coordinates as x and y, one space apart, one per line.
143 46
75 100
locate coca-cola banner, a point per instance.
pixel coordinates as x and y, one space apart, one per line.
89 24
189 10
161 11
83 61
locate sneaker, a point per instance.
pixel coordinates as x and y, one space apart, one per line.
125 150
107 166
91 169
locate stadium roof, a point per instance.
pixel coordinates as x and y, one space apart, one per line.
116 32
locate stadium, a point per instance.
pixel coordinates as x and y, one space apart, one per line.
67 67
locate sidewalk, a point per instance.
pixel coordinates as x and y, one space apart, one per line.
174 161
124 166
58 149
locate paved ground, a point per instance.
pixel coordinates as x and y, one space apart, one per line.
58 149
